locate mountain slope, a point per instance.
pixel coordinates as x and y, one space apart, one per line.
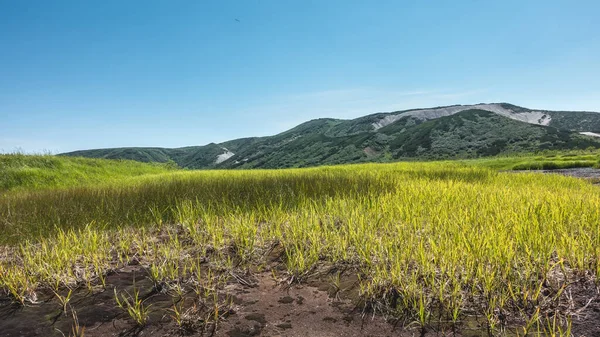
475 133
460 131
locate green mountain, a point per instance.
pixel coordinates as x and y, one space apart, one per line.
460 131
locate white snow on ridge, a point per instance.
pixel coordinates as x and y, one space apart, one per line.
593 134
531 117
224 156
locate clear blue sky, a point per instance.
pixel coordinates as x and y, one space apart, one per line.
84 74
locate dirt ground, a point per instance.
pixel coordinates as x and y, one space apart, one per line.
259 306
262 308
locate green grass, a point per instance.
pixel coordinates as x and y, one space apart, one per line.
549 160
554 165
27 172
114 193
431 242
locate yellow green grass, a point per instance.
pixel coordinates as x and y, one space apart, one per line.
431 242
27 172
548 160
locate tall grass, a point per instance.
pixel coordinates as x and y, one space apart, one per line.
27 172
430 241
549 160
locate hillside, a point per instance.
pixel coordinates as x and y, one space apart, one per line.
460 131
20 172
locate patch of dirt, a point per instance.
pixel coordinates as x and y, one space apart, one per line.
586 321
323 305
265 309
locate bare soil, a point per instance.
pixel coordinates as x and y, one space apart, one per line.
262 308
259 305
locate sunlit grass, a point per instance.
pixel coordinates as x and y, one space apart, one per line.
548 160
27 172
431 242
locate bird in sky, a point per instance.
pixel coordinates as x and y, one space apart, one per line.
238 20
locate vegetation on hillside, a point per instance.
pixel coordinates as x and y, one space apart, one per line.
467 134
585 121
190 157
477 133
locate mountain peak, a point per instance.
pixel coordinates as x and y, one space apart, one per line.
503 109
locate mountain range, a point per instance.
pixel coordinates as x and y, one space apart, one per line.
458 131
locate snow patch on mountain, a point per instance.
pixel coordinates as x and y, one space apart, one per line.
531 117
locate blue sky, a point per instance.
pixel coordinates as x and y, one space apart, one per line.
83 74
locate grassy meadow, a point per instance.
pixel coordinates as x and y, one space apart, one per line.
546 160
432 243
31 172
